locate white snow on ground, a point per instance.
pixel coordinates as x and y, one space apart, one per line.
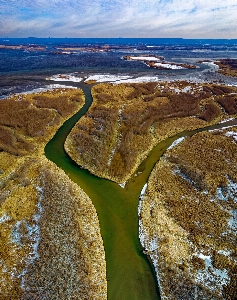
224 252
175 143
112 155
143 191
142 236
121 79
49 87
106 78
188 89
226 120
233 220
142 194
211 277
211 64
32 233
65 77
153 244
150 246
123 184
168 66
60 86
4 218
141 230
232 134
149 58
222 128
140 79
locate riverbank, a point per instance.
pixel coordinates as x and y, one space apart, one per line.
127 267
127 120
48 224
187 216
129 272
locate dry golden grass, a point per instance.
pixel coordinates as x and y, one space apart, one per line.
127 120
50 245
189 210
229 103
27 121
50 239
227 67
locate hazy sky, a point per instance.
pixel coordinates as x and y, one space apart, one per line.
119 18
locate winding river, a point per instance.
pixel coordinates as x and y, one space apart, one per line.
130 274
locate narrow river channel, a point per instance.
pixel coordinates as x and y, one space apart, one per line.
130 274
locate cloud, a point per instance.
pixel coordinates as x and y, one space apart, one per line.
113 18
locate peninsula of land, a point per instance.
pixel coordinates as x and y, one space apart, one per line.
49 227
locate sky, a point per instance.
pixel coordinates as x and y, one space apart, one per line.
119 18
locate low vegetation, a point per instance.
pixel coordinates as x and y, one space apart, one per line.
229 103
227 66
26 121
127 120
188 217
50 246
50 239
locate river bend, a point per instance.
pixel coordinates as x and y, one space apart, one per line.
130 274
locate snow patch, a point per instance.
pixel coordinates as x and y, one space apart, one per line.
47 88
117 79
150 246
224 252
60 86
65 77
4 218
143 191
222 128
144 58
32 234
211 64
233 220
141 198
232 134
211 277
223 193
140 79
175 143
168 66
107 78
153 245
123 184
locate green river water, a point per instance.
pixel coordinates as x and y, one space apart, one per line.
130 274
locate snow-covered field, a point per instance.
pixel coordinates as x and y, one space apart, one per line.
143 58
107 78
168 66
121 79
65 77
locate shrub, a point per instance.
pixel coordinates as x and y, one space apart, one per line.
210 113
228 103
